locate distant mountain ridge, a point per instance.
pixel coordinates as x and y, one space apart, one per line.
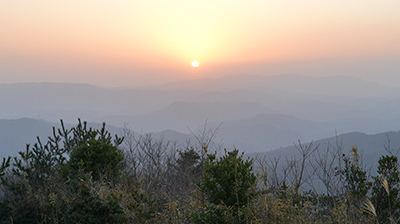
370 147
327 86
15 134
54 101
182 116
257 113
266 132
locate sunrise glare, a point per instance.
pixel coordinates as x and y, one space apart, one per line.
62 39
195 64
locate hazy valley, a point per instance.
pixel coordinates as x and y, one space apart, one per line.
253 113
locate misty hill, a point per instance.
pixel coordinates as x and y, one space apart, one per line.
371 147
15 134
54 101
299 105
182 116
258 133
301 96
247 126
314 98
322 86
266 132
316 107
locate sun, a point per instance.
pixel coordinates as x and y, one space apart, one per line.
195 64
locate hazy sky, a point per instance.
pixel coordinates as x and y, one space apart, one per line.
132 42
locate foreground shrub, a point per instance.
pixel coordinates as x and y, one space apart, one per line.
228 180
95 203
385 191
228 185
34 191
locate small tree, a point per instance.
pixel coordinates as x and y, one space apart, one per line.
29 180
228 180
33 191
356 185
228 184
93 152
97 157
94 202
188 167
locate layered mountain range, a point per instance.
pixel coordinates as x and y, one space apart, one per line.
251 113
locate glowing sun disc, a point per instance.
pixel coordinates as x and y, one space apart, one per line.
195 63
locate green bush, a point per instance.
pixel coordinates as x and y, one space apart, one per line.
385 191
356 185
228 180
228 184
97 157
34 191
95 203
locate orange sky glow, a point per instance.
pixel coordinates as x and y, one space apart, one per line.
121 42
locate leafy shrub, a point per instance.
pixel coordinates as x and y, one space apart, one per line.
97 157
95 203
228 180
228 184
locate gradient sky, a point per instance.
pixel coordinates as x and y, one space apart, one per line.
131 42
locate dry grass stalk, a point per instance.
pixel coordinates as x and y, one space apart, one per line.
369 207
385 184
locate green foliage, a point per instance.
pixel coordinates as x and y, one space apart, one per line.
4 165
82 133
25 201
77 177
95 203
188 161
97 157
357 184
33 178
33 191
38 163
189 169
214 214
385 191
228 180
92 151
228 184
